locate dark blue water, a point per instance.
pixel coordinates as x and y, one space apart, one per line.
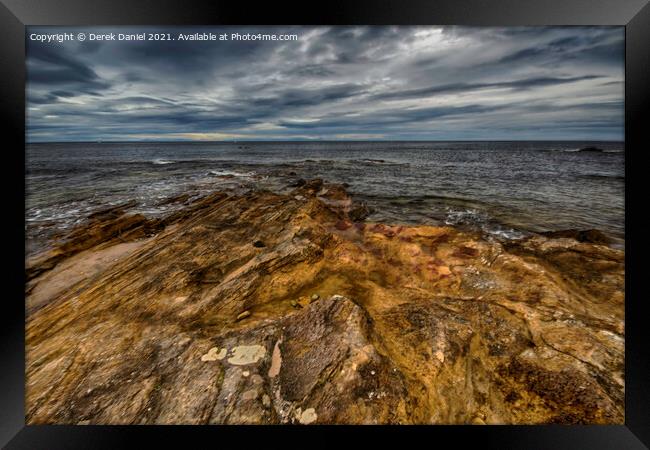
506 189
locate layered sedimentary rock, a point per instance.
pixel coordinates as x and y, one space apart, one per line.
288 308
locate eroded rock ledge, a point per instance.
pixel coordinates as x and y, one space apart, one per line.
344 321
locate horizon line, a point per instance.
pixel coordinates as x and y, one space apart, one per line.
101 141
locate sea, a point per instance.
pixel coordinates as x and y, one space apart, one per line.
506 190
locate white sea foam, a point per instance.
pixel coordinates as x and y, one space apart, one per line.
465 216
231 173
506 233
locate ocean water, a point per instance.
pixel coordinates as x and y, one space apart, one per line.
505 189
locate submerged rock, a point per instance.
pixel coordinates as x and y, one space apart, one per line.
359 212
180 198
298 183
415 324
590 236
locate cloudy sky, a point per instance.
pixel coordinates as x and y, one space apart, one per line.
336 83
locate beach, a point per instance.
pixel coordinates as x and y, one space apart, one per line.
253 298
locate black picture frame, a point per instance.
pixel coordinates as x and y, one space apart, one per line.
16 14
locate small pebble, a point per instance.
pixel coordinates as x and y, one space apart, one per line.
258 244
308 416
315 297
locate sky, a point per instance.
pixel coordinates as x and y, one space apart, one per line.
332 83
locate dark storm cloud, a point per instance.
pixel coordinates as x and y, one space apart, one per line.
466 87
313 70
393 117
333 83
307 97
48 65
568 48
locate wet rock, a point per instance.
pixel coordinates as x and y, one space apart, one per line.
359 212
298 183
112 212
590 236
311 187
180 198
343 225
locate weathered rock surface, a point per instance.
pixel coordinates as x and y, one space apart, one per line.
412 324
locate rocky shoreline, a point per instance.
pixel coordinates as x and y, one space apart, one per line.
268 308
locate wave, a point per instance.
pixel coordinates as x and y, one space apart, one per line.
602 175
580 150
162 162
565 150
372 162
481 220
466 216
230 173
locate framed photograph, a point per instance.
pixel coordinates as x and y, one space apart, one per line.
386 219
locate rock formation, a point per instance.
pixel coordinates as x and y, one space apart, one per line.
269 308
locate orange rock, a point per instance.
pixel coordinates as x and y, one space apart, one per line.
504 339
